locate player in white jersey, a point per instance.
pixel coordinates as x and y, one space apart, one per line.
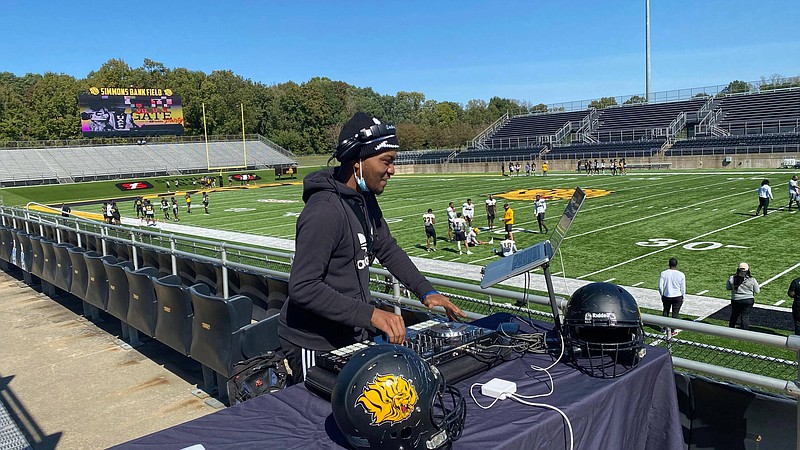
491 209
539 208
429 220
468 210
507 247
472 237
794 192
459 229
451 215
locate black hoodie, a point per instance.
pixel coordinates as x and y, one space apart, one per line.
329 302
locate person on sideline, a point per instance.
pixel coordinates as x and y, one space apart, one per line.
468 211
672 287
508 220
460 232
338 234
507 247
539 207
743 289
794 192
451 216
794 294
491 209
764 194
429 220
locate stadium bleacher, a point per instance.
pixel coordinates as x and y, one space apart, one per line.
762 113
67 164
641 121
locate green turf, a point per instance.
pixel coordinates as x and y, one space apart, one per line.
705 219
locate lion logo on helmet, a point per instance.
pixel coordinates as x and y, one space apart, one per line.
388 398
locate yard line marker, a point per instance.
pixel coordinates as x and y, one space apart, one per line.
702 292
779 302
557 273
714 209
669 248
698 209
637 284
609 280
652 216
780 274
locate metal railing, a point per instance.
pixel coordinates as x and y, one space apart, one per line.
780 374
480 139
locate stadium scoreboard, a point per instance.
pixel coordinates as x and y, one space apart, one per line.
125 112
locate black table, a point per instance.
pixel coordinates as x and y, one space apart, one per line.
636 411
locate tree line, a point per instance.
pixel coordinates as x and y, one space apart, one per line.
304 118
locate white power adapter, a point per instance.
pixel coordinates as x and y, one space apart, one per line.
498 388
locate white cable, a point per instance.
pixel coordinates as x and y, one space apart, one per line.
472 394
544 405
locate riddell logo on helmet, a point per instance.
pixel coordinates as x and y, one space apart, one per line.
388 398
606 317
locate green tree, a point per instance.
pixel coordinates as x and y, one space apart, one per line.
736 87
635 99
603 103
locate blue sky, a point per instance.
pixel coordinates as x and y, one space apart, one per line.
536 51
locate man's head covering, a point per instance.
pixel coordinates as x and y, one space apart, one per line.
744 266
367 144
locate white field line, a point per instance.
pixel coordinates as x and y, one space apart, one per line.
702 292
672 210
779 302
638 284
668 247
780 274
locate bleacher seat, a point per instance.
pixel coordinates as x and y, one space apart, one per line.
210 274
97 279
254 286
37 255
63 267
174 314
223 334
278 293
118 291
48 165
142 307
80 274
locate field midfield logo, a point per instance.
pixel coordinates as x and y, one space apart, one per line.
550 194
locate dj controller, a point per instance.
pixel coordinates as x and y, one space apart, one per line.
458 350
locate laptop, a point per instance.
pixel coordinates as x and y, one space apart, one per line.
537 254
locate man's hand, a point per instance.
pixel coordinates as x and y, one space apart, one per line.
453 312
390 323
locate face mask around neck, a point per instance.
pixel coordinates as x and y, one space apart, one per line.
360 182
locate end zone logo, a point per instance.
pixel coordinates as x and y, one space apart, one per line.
550 194
134 185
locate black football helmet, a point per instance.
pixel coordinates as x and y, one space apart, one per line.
387 397
603 330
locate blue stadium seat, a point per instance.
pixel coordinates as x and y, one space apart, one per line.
224 334
175 315
142 307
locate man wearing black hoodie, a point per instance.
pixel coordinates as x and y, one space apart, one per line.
339 233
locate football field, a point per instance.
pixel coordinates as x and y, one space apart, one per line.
626 230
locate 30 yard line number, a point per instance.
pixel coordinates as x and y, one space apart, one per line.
703 245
